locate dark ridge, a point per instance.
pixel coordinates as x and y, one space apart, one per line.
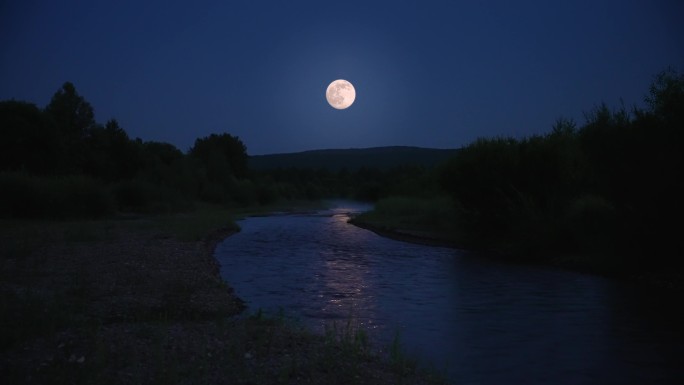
353 158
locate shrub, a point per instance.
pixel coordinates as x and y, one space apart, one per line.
74 196
142 196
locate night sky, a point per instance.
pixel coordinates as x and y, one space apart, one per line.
427 73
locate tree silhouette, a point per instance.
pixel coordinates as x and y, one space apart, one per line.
666 97
27 141
221 151
70 112
110 154
73 118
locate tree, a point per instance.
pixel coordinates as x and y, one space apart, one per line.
483 179
666 97
73 118
166 153
27 142
70 112
223 148
110 154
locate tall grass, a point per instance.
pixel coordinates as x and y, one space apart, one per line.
198 223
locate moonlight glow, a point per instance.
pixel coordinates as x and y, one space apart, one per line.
340 94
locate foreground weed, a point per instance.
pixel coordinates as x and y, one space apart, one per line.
402 364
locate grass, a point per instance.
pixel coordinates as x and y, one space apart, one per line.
429 218
205 218
20 237
197 224
350 338
435 214
191 225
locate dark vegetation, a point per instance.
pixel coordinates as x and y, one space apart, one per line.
604 197
59 162
609 190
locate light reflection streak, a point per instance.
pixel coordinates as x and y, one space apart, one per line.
346 278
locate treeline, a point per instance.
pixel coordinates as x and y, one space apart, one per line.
59 162
353 159
365 184
611 188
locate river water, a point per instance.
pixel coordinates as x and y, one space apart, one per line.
479 321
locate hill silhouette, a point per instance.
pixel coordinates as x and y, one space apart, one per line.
382 158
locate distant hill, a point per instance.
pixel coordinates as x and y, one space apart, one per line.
353 158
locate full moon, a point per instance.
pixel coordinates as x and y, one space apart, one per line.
340 94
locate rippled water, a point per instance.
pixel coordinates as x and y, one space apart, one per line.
480 321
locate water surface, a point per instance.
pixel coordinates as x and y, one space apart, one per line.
480 321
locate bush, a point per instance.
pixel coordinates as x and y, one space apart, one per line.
74 196
142 196
590 219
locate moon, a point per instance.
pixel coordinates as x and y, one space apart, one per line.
340 94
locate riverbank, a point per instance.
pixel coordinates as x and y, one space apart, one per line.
140 300
420 237
402 230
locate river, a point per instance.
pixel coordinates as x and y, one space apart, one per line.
476 320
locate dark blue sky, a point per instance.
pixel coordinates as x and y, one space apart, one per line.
427 73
